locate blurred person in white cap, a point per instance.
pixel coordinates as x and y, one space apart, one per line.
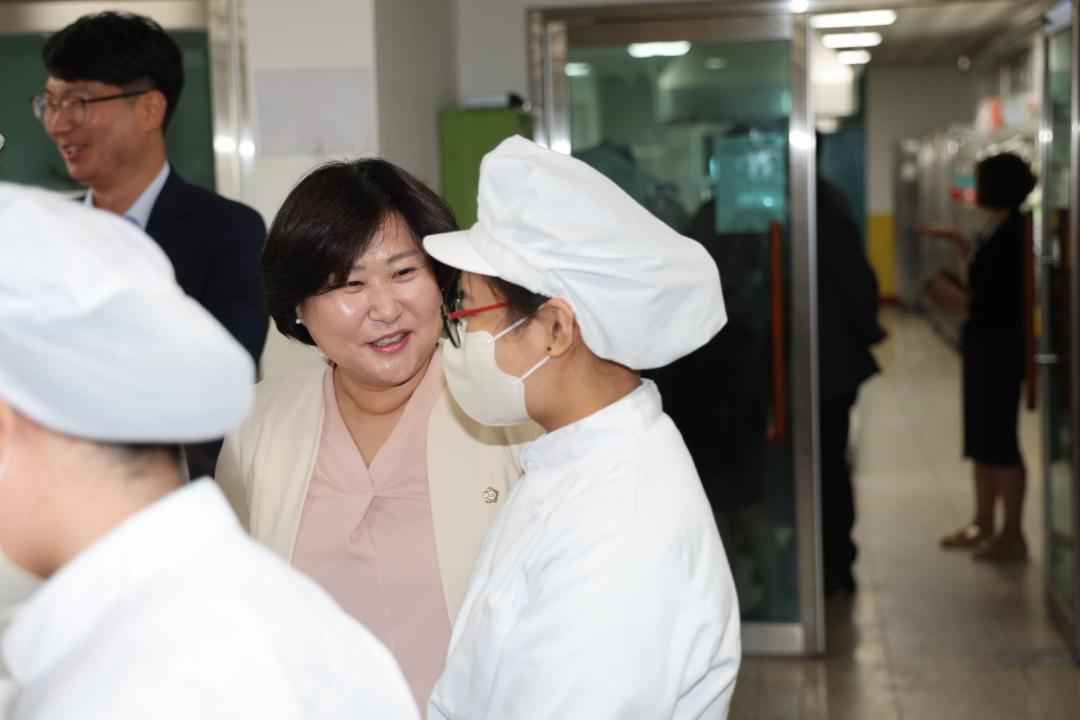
602 589
148 600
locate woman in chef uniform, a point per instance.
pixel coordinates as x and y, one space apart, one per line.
602 589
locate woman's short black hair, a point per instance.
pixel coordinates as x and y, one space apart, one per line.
329 220
1003 181
119 49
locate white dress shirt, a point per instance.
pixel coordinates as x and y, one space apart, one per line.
602 589
139 212
176 613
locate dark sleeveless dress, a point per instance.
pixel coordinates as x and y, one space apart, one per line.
993 346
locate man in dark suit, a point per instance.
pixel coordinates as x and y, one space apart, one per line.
114 82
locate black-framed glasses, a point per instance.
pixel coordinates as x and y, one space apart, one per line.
73 108
452 314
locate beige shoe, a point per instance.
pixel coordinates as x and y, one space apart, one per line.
966 537
1002 549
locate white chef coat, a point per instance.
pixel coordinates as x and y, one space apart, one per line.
177 614
602 589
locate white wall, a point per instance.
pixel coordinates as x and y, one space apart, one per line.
313 35
398 58
415 77
909 102
492 52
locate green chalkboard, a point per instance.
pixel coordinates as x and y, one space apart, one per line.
31 158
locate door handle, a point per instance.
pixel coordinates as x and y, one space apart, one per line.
1030 377
778 430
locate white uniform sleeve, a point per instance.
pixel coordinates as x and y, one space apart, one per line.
254 690
7 695
615 629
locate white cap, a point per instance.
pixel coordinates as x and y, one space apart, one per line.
643 294
96 338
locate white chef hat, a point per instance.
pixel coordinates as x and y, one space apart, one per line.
96 338
643 295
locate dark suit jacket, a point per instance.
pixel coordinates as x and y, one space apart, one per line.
214 245
847 298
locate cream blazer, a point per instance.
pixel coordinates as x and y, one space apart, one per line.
266 465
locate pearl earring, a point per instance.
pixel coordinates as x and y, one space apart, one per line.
298 322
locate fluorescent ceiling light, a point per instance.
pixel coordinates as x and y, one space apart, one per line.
715 63
577 69
659 49
853 57
800 6
851 40
864 18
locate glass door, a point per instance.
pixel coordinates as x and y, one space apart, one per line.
1056 354
704 122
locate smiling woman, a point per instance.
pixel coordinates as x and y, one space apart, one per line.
363 472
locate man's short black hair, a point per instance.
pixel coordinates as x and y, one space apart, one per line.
119 49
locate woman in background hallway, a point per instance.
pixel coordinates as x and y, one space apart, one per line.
992 351
362 471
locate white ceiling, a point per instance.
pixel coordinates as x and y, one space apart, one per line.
942 31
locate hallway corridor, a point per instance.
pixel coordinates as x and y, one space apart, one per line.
931 635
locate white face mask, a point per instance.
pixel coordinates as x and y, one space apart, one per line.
16 584
487 394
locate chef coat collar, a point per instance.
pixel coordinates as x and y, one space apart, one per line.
70 605
615 423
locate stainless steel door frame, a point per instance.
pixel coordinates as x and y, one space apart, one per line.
549 42
1065 617
1062 617
234 133
48 17
803 176
1071 630
1074 308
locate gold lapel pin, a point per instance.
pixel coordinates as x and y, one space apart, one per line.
491 495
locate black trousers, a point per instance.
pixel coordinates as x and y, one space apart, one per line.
837 496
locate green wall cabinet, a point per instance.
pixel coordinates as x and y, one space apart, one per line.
467 135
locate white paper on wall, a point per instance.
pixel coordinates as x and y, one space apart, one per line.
315 111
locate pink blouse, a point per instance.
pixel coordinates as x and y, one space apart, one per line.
366 534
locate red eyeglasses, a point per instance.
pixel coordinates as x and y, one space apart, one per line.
452 315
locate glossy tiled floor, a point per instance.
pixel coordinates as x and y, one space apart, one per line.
931 635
